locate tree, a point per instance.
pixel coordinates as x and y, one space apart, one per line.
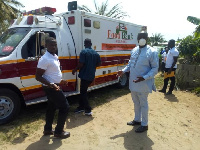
189 48
8 12
156 39
114 12
195 21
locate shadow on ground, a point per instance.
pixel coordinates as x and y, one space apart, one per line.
134 140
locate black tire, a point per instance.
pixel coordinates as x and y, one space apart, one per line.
123 81
9 105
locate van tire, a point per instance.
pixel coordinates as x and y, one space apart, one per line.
123 81
10 105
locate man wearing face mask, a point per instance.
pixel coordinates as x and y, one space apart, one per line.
143 66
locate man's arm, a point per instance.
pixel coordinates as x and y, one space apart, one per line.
98 61
38 77
98 64
173 64
154 64
126 69
78 67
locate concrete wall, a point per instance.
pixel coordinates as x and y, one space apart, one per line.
188 75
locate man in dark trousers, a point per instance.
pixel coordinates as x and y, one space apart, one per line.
170 67
49 74
88 61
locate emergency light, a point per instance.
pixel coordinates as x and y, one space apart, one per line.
30 20
41 11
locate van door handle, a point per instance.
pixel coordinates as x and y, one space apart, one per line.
31 59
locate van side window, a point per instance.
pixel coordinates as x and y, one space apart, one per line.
29 48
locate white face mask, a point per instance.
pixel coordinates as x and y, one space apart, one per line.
142 42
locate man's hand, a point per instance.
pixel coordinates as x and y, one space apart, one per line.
120 73
139 79
169 71
73 71
63 82
55 87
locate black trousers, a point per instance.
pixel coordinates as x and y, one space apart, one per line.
56 100
162 66
166 80
83 101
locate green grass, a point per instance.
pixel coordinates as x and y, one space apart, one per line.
196 90
32 118
159 80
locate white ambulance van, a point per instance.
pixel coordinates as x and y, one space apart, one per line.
23 44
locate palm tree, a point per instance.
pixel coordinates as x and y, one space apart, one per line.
8 12
114 12
156 38
195 21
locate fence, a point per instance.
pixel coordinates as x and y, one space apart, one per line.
188 76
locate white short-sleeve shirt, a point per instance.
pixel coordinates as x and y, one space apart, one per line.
170 57
51 65
164 57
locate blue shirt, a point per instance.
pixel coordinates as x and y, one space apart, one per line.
90 59
144 63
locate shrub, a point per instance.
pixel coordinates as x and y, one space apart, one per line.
189 48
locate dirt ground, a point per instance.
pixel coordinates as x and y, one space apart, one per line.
174 124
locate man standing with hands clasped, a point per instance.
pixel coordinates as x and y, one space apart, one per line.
49 74
143 66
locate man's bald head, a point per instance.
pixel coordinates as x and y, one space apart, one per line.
171 43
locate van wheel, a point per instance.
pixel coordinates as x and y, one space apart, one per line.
9 105
123 81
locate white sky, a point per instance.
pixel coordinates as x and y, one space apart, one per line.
168 17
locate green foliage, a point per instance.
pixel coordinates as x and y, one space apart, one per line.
8 12
189 48
3 26
156 38
195 21
196 90
115 12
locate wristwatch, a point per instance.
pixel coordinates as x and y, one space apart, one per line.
51 85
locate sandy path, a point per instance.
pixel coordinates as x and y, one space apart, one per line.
174 124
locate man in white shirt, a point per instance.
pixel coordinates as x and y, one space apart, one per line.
171 60
143 66
164 56
49 74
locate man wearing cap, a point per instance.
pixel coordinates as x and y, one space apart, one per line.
143 66
170 67
88 61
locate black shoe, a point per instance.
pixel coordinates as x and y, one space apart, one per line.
162 91
79 110
63 135
169 93
48 132
133 123
141 129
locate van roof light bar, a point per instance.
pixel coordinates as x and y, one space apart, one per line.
41 11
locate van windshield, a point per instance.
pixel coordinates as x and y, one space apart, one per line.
10 39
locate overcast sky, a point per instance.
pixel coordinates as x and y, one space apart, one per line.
168 17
